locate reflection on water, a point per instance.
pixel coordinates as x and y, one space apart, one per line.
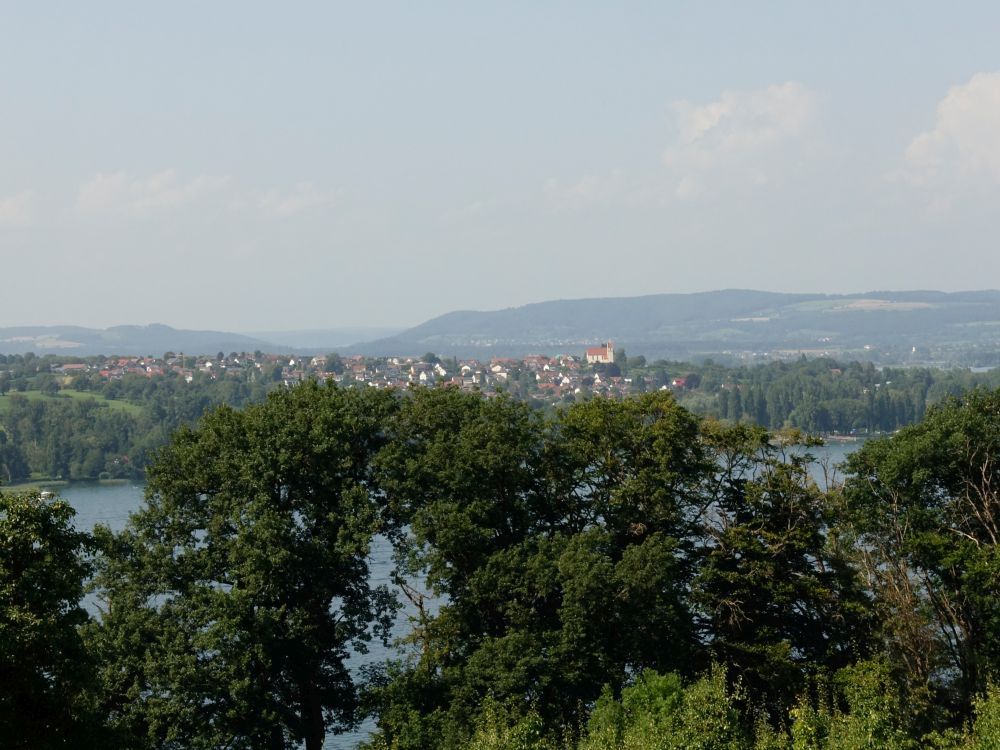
829 457
111 504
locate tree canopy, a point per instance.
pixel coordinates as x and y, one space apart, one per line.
46 674
242 585
620 574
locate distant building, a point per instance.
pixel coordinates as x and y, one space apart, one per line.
603 355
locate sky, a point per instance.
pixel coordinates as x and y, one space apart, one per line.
274 166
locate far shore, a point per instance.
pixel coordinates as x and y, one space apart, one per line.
55 484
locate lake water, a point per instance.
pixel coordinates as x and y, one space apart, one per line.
111 504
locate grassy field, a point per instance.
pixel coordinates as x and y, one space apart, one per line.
124 406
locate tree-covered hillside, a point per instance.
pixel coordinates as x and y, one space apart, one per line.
88 427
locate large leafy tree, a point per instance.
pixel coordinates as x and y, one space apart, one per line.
561 548
925 505
460 476
778 600
236 594
45 671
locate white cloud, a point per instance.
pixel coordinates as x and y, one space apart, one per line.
962 150
586 190
18 209
303 197
744 138
120 195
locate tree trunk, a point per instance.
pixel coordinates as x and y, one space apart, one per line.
312 713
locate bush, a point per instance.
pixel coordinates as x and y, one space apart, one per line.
658 712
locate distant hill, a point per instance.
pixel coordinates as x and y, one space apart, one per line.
660 325
125 340
325 340
157 339
682 325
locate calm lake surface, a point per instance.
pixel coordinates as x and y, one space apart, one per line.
111 504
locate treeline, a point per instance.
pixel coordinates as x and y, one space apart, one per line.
814 395
63 437
620 574
73 439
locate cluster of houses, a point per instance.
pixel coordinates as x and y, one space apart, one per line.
543 377
548 378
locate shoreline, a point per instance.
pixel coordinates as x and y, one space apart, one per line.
54 484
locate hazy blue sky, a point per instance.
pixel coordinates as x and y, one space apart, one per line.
295 165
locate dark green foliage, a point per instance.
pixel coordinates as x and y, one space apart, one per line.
577 552
45 672
573 576
779 600
234 596
926 508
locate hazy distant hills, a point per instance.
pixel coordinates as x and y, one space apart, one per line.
125 340
157 339
680 325
324 339
670 325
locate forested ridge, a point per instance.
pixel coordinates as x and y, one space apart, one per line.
613 574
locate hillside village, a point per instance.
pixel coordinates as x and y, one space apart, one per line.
96 417
814 394
69 418
545 378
